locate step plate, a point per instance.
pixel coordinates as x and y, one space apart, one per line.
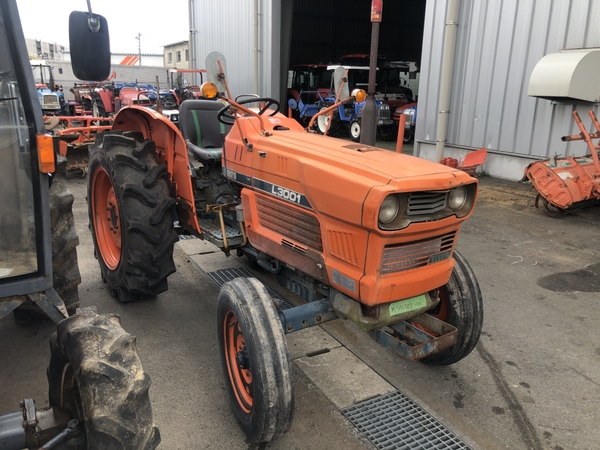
394 422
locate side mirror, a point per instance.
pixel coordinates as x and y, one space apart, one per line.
90 46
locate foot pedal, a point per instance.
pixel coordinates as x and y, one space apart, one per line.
413 342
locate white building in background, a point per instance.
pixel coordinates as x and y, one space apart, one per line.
37 49
177 55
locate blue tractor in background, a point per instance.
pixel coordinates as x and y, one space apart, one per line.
52 99
349 116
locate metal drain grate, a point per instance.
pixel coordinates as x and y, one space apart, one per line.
394 422
220 277
186 237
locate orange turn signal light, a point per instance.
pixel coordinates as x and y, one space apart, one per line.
359 94
45 148
209 90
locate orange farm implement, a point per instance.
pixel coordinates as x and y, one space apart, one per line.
569 182
73 135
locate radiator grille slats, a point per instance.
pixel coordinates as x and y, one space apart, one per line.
290 222
426 202
402 257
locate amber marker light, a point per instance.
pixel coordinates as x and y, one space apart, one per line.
209 90
359 94
45 148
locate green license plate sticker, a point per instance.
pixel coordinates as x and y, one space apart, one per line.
404 306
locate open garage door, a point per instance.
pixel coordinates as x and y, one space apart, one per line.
324 30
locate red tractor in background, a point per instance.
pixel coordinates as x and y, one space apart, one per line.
356 231
105 99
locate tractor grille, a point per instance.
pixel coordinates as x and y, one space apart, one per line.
50 101
290 222
402 257
426 202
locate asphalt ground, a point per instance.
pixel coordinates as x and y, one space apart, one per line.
531 383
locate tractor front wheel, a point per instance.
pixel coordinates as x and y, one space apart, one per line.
461 306
96 376
131 215
388 132
355 130
255 360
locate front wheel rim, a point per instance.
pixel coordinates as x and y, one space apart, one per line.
322 122
107 223
238 364
355 130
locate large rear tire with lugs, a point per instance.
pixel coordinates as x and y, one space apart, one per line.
461 306
64 239
131 215
255 360
96 376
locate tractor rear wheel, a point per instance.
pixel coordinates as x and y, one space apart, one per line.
131 215
95 374
255 360
98 109
461 306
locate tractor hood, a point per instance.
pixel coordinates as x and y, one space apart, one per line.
337 176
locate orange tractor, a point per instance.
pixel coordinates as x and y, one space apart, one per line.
358 232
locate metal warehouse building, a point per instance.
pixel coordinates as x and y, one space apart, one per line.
498 45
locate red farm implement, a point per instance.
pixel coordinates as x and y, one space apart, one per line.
569 182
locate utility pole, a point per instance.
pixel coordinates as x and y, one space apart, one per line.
139 39
369 114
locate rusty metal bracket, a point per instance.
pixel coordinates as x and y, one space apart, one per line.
413 342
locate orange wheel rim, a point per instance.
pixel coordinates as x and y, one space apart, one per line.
238 364
107 221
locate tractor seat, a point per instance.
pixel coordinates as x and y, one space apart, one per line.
202 132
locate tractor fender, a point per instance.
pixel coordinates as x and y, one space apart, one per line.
170 150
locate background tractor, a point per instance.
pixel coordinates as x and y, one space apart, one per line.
52 99
355 231
98 391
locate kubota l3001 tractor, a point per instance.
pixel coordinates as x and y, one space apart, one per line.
360 232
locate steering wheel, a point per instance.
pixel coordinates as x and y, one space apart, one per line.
225 117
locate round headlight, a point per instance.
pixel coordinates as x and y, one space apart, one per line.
457 198
389 209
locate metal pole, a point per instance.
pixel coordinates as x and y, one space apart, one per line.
139 38
256 9
369 115
446 77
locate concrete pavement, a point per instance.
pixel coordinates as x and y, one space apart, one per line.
531 383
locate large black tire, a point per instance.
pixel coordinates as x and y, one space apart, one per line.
462 307
95 374
131 215
98 109
255 360
388 132
65 268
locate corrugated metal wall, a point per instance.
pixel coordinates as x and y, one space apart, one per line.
499 42
227 26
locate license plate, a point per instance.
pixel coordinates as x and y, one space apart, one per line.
408 305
